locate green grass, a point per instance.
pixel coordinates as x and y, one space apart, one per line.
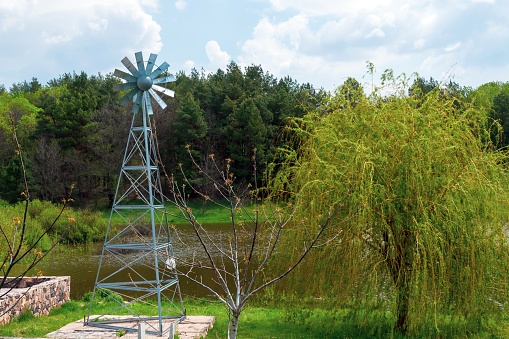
84 225
255 322
212 214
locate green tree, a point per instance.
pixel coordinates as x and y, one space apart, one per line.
18 109
11 181
227 98
25 87
107 140
432 235
67 112
248 132
72 112
500 113
421 86
352 91
190 132
484 95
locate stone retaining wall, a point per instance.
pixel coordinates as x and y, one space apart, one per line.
40 298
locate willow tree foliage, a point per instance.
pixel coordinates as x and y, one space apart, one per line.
431 244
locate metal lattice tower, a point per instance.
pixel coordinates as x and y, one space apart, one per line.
141 253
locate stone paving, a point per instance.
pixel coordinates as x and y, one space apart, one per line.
192 327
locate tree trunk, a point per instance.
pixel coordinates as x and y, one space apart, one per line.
401 271
235 326
403 300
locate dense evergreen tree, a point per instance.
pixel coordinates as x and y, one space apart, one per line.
12 184
500 113
67 116
248 131
242 111
25 87
190 132
79 130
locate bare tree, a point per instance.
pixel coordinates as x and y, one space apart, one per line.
239 258
14 235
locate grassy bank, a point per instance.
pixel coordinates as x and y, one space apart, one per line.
256 322
85 225
209 213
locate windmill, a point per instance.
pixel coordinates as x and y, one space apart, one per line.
137 262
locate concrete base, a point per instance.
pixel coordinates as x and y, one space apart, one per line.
192 327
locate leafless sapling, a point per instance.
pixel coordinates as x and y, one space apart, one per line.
255 235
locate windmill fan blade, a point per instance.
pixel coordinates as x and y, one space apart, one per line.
139 61
127 63
170 78
156 97
123 75
129 96
151 62
160 70
137 103
122 87
148 104
163 90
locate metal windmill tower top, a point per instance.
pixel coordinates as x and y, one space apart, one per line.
143 80
137 262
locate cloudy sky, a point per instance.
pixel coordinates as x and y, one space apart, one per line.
317 41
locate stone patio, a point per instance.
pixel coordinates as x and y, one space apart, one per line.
192 327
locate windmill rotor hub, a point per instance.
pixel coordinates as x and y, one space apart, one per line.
144 83
144 79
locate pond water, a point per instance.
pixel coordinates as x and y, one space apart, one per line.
82 261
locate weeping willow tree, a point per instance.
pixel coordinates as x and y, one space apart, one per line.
431 244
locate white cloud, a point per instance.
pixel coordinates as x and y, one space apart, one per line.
188 66
267 49
13 12
419 44
181 4
55 39
453 47
331 40
217 57
327 7
377 32
99 25
52 37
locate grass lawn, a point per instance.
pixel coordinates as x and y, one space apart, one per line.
212 214
255 322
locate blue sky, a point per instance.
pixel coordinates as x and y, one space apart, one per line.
321 41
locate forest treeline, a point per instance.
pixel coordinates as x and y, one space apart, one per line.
73 129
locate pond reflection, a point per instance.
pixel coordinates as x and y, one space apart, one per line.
82 261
